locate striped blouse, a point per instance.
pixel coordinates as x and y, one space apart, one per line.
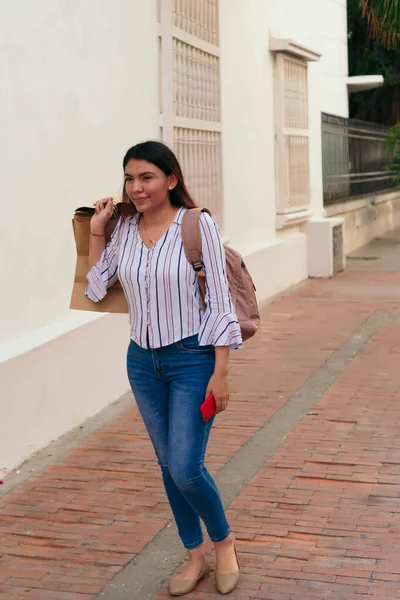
161 286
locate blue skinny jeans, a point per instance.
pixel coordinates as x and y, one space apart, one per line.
169 385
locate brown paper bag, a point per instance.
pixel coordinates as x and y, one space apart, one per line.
114 301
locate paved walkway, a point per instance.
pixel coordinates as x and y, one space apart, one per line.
307 458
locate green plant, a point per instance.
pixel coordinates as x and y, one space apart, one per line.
392 147
383 20
369 56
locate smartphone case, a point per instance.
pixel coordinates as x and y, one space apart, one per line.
208 408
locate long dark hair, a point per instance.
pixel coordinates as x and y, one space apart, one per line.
162 157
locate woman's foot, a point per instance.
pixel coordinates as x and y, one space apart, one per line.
194 564
195 569
227 572
225 556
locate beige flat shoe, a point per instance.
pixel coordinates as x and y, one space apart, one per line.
227 583
180 587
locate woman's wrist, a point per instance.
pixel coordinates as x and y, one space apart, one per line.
97 231
221 361
221 371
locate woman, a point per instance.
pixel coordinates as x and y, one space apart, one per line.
178 354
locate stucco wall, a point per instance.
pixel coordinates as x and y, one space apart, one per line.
78 87
248 122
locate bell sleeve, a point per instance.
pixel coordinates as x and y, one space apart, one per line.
219 325
105 272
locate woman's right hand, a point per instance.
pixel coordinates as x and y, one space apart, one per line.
103 213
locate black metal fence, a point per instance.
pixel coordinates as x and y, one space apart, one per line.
354 161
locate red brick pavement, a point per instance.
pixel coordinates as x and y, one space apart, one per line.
319 518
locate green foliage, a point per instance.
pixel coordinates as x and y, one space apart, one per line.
368 56
383 18
392 139
392 147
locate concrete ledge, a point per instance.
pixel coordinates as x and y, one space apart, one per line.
292 219
389 196
347 207
357 202
25 343
52 387
278 265
367 217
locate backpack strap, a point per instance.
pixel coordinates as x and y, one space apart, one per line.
191 238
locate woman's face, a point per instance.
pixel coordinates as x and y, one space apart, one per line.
146 185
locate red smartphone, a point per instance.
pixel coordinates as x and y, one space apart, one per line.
208 408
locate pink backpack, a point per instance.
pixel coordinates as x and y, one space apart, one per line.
241 285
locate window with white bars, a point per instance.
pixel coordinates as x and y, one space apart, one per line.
196 83
197 17
199 155
292 134
190 94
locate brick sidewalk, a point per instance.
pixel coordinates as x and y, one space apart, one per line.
322 518
318 521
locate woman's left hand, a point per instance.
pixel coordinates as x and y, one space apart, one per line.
219 387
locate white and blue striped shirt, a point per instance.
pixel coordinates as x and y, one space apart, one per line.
161 286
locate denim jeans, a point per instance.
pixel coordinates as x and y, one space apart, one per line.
169 385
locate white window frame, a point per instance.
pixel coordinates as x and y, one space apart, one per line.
194 134
286 50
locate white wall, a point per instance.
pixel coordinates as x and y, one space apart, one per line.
248 122
247 119
78 87
50 387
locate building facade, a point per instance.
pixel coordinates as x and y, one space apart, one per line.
236 87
